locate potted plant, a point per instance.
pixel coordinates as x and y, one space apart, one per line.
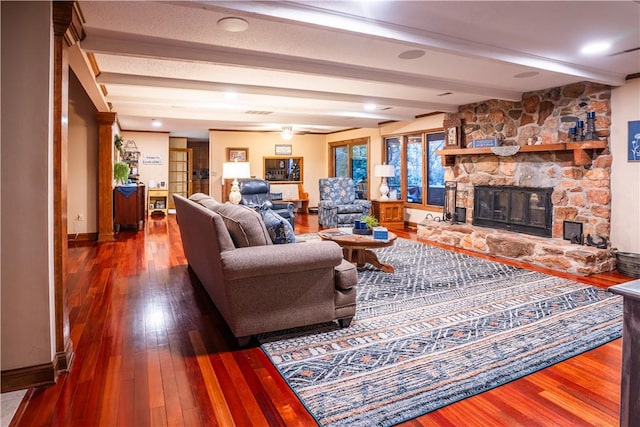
371 221
117 141
120 172
365 225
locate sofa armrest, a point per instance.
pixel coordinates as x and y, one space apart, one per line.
366 204
282 205
327 204
255 261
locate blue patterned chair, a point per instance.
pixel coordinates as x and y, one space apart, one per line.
338 204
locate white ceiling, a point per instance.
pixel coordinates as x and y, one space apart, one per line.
313 65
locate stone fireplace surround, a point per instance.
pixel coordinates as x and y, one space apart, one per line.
580 193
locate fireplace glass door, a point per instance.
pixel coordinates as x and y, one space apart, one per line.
526 210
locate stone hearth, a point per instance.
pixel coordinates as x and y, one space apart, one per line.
556 254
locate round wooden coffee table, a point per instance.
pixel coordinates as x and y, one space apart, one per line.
357 248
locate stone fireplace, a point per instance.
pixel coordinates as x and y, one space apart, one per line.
544 177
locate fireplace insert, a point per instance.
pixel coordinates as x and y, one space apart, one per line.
520 209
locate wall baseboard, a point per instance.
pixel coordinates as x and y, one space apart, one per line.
82 237
64 359
29 377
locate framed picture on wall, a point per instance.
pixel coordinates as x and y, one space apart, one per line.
238 154
283 150
634 141
452 138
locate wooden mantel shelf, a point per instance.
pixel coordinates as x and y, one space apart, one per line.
581 151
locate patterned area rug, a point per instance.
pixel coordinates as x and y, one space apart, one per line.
443 327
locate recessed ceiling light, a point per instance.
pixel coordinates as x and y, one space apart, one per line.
233 24
230 95
526 74
595 48
412 54
156 123
370 106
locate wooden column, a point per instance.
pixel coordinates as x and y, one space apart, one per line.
630 384
62 18
105 176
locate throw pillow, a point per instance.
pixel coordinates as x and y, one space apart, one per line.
279 229
244 224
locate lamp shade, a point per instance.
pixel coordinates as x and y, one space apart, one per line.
384 170
234 170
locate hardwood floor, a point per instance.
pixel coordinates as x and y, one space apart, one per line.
151 350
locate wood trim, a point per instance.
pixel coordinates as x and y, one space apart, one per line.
63 359
105 175
28 377
633 76
91 57
62 15
82 237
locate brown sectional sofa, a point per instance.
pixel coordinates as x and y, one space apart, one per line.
258 286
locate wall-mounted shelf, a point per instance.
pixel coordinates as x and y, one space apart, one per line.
582 151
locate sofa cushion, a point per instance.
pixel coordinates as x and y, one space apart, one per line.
244 224
279 229
345 209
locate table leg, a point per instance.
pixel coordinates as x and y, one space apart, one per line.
360 257
372 259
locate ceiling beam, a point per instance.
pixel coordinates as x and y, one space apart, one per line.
114 43
166 82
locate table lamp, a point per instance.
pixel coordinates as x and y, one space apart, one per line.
384 171
235 170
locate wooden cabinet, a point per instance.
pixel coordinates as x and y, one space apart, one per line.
390 213
128 207
158 201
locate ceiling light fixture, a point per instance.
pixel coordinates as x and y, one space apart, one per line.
412 54
287 132
233 24
370 106
230 95
156 123
595 48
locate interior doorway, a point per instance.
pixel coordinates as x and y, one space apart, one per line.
180 166
199 166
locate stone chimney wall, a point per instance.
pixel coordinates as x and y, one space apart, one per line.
580 193
547 114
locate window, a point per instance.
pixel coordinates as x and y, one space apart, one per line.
419 178
393 155
351 159
415 169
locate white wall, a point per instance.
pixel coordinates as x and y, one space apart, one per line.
82 181
151 144
625 175
312 148
26 233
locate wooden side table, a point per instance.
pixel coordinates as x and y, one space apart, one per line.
390 213
158 201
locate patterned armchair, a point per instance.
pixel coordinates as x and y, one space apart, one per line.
338 204
256 194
